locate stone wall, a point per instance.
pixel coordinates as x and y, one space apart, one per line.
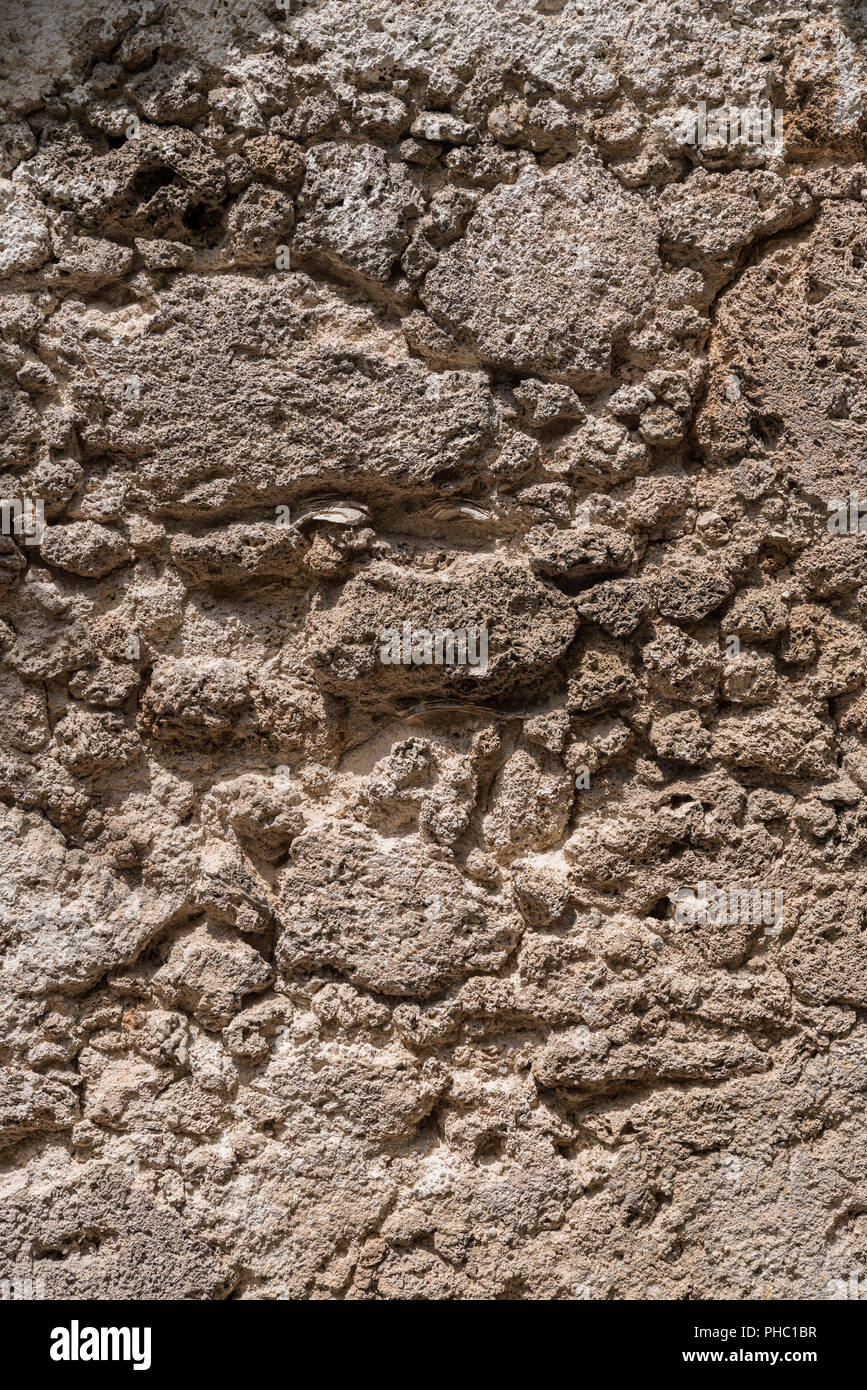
432 661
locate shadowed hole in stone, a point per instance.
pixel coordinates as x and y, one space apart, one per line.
149 181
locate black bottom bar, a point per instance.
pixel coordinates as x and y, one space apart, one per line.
60 1340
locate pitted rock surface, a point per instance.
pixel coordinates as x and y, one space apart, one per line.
322 326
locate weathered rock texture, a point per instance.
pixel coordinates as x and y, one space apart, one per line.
324 978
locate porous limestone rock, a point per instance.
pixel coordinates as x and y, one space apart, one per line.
324 976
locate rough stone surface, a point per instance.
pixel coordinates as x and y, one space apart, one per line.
324 977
